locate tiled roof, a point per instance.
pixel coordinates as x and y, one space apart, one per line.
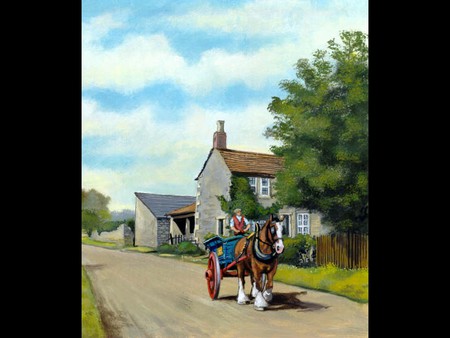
253 164
184 210
249 163
160 205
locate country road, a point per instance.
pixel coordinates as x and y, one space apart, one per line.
143 295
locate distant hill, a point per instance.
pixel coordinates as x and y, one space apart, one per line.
122 215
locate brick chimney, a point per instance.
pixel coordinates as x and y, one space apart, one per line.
220 137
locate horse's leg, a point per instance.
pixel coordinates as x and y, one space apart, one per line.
242 297
254 289
269 286
260 302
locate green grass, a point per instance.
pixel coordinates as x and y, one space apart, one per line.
87 240
90 317
353 284
143 249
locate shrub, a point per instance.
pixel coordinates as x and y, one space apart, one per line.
296 250
166 248
188 248
108 226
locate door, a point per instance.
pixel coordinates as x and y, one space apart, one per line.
286 226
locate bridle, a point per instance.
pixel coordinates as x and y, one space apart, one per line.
273 231
261 256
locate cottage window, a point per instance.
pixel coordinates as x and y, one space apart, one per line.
252 181
303 224
265 188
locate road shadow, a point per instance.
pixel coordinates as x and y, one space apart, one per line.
290 301
286 301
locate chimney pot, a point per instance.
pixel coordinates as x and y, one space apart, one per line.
220 126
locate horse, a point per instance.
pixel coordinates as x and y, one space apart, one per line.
262 249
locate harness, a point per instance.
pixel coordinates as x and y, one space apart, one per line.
261 256
244 249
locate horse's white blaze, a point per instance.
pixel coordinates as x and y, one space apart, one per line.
242 297
267 294
279 245
260 301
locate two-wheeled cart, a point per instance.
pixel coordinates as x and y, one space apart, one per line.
221 262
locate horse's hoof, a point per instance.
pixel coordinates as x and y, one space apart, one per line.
257 308
242 302
268 296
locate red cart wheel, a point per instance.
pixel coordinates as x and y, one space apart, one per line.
212 276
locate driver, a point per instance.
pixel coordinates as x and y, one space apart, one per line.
239 224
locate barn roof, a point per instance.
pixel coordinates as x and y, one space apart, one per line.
160 205
188 209
249 163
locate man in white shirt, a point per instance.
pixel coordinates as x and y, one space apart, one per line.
239 224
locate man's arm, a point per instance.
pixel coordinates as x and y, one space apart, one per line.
247 223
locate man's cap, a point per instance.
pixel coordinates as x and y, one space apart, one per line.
237 210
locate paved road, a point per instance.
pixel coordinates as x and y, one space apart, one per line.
143 295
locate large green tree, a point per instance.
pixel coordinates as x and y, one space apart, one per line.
322 126
94 210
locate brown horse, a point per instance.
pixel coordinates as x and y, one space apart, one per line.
262 249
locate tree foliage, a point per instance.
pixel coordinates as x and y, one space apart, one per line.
94 210
322 126
242 197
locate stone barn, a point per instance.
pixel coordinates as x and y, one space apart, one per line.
152 223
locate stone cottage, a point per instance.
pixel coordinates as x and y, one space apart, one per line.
214 180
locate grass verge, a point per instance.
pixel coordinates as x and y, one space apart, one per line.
90 317
143 249
353 284
87 240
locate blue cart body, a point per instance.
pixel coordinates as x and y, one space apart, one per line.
223 247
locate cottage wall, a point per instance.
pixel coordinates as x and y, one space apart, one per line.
214 181
145 226
163 231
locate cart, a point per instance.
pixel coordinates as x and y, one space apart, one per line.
221 262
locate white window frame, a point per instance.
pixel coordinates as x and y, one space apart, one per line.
261 186
303 225
252 186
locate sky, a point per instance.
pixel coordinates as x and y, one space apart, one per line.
157 75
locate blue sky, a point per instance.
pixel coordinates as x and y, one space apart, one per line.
157 75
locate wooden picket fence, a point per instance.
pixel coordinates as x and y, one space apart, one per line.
347 251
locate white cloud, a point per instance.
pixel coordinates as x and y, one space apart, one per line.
218 69
131 65
100 26
169 156
143 60
272 17
140 61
